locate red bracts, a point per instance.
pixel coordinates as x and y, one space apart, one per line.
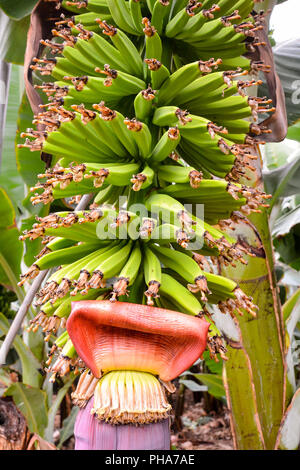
125 336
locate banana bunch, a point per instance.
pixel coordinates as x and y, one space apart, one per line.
147 110
122 268
197 28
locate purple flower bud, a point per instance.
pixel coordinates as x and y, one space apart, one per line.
92 434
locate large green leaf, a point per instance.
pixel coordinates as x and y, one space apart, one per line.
30 365
193 386
32 404
294 132
13 35
29 163
32 248
283 181
278 154
291 306
214 384
289 249
10 178
10 246
286 222
17 9
5 70
68 426
291 277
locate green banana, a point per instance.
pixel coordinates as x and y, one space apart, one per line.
136 15
136 292
188 269
160 14
108 267
211 28
153 41
179 295
169 210
65 255
128 274
115 120
182 78
58 243
150 4
158 72
64 309
121 15
117 85
123 44
116 175
141 135
104 52
97 6
179 174
203 85
165 146
135 113
214 189
167 233
62 339
143 104
83 276
59 283
195 23
181 18
152 274
108 195
143 180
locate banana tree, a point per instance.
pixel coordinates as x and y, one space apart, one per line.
130 116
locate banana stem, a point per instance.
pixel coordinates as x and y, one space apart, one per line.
179 407
28 299
16 324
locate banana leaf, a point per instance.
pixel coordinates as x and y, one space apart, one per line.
30 364
68 426
32 404
10 247
17 9
13 38
10 179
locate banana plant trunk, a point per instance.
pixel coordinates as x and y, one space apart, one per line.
255 373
